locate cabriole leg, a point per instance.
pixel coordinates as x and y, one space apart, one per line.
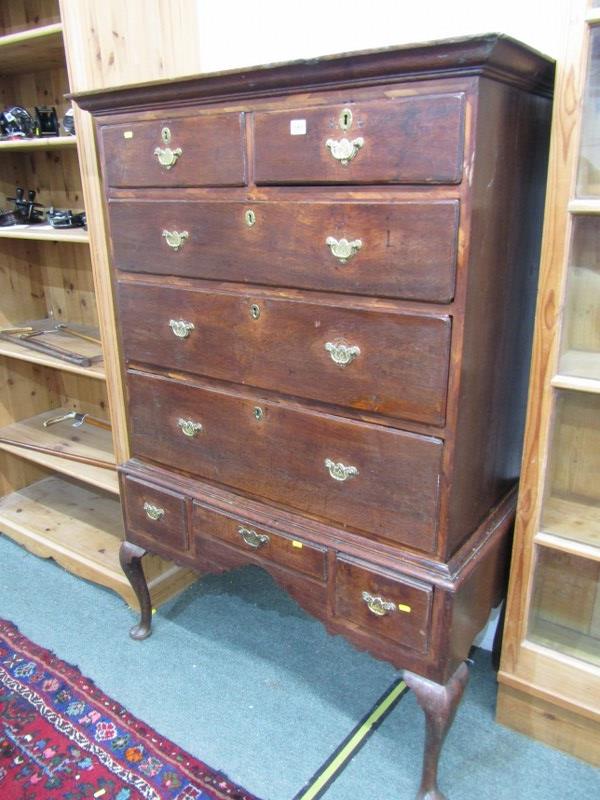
439 703
130 556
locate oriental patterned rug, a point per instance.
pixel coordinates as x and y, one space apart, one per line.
62 738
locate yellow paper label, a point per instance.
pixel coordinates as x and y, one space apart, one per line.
128 134
405 608
297 544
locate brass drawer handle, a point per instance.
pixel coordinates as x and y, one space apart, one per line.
252 538
175 239
181 328
167 157
342 249
153 512
377 605
189 427
342 354
344 150
339 471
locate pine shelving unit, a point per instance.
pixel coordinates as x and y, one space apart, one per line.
59 494
550 670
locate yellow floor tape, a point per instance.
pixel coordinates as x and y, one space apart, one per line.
350 745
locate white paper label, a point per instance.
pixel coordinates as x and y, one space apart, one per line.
297 127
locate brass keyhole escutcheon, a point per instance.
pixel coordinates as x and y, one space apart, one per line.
345 119
254 311
165 135
250 217
258 413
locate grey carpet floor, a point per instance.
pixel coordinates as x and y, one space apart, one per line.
242 678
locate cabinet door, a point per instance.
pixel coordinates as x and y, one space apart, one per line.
564 613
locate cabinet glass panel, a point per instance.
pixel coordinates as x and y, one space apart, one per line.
565 607
580 350
571 507
588 177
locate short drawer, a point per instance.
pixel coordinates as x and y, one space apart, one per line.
347 357
198 150
154 515
370 478
258 543
385 605
403 249
416 139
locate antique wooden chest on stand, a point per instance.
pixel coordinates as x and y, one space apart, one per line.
325 274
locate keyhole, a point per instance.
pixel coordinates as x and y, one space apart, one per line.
345 119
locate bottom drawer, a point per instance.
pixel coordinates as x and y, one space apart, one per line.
259 543
154 516
383 605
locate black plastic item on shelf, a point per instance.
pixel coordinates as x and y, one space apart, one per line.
66 219
16 123
46 121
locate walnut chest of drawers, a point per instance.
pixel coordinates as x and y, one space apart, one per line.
325 275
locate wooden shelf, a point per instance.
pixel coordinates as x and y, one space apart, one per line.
578 370
77 526
564 640
45 233
82 529
32 50
16 351
574 521
85 441
48 143
571 546
587 206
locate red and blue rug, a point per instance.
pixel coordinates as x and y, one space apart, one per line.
62 738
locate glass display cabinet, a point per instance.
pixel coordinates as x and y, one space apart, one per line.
550 668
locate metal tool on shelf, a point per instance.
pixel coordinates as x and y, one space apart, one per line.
24 212
30 335
78 420
61 326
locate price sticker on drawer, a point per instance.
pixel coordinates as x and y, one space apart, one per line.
297 127
404 607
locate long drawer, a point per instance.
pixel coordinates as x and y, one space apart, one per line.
404 249
369 478
196 150
352 143
348 357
